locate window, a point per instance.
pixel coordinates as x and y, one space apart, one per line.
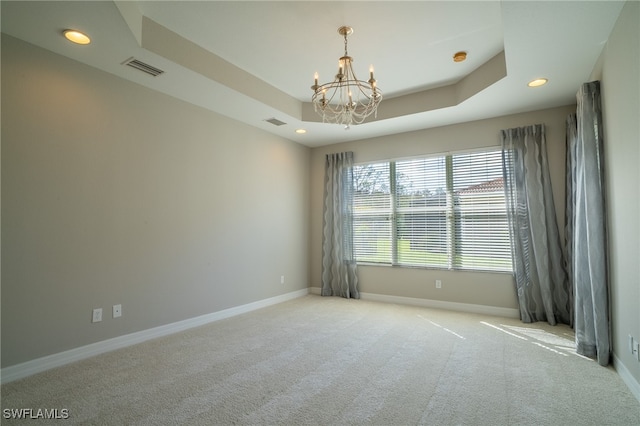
443 212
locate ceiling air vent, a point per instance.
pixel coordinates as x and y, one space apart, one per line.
141 66
275 121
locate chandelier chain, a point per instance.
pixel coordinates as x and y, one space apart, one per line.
345 45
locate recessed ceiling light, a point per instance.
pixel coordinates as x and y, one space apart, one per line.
537 82
459 56
301 131
77 37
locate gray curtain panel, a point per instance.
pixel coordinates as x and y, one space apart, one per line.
570 202
538 261
586 225
339 270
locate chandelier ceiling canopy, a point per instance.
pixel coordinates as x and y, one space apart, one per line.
346 100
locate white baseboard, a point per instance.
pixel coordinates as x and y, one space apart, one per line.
627 377
19 371
437 304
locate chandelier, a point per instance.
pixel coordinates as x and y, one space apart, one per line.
346 100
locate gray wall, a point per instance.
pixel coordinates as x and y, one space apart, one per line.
619 71
113 193
480 288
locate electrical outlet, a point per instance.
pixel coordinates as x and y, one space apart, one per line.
97 315
438 284
117 311
281 279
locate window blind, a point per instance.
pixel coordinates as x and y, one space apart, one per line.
445 212
481 238
421 212
372 213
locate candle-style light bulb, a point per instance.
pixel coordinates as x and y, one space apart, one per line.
315 78
371 71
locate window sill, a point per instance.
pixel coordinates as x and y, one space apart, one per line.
432 268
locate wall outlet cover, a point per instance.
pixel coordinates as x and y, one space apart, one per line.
97 315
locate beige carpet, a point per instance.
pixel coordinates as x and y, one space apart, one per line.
332 361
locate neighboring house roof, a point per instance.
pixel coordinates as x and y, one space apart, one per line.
488 186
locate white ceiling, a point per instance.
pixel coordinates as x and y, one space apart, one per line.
255 60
